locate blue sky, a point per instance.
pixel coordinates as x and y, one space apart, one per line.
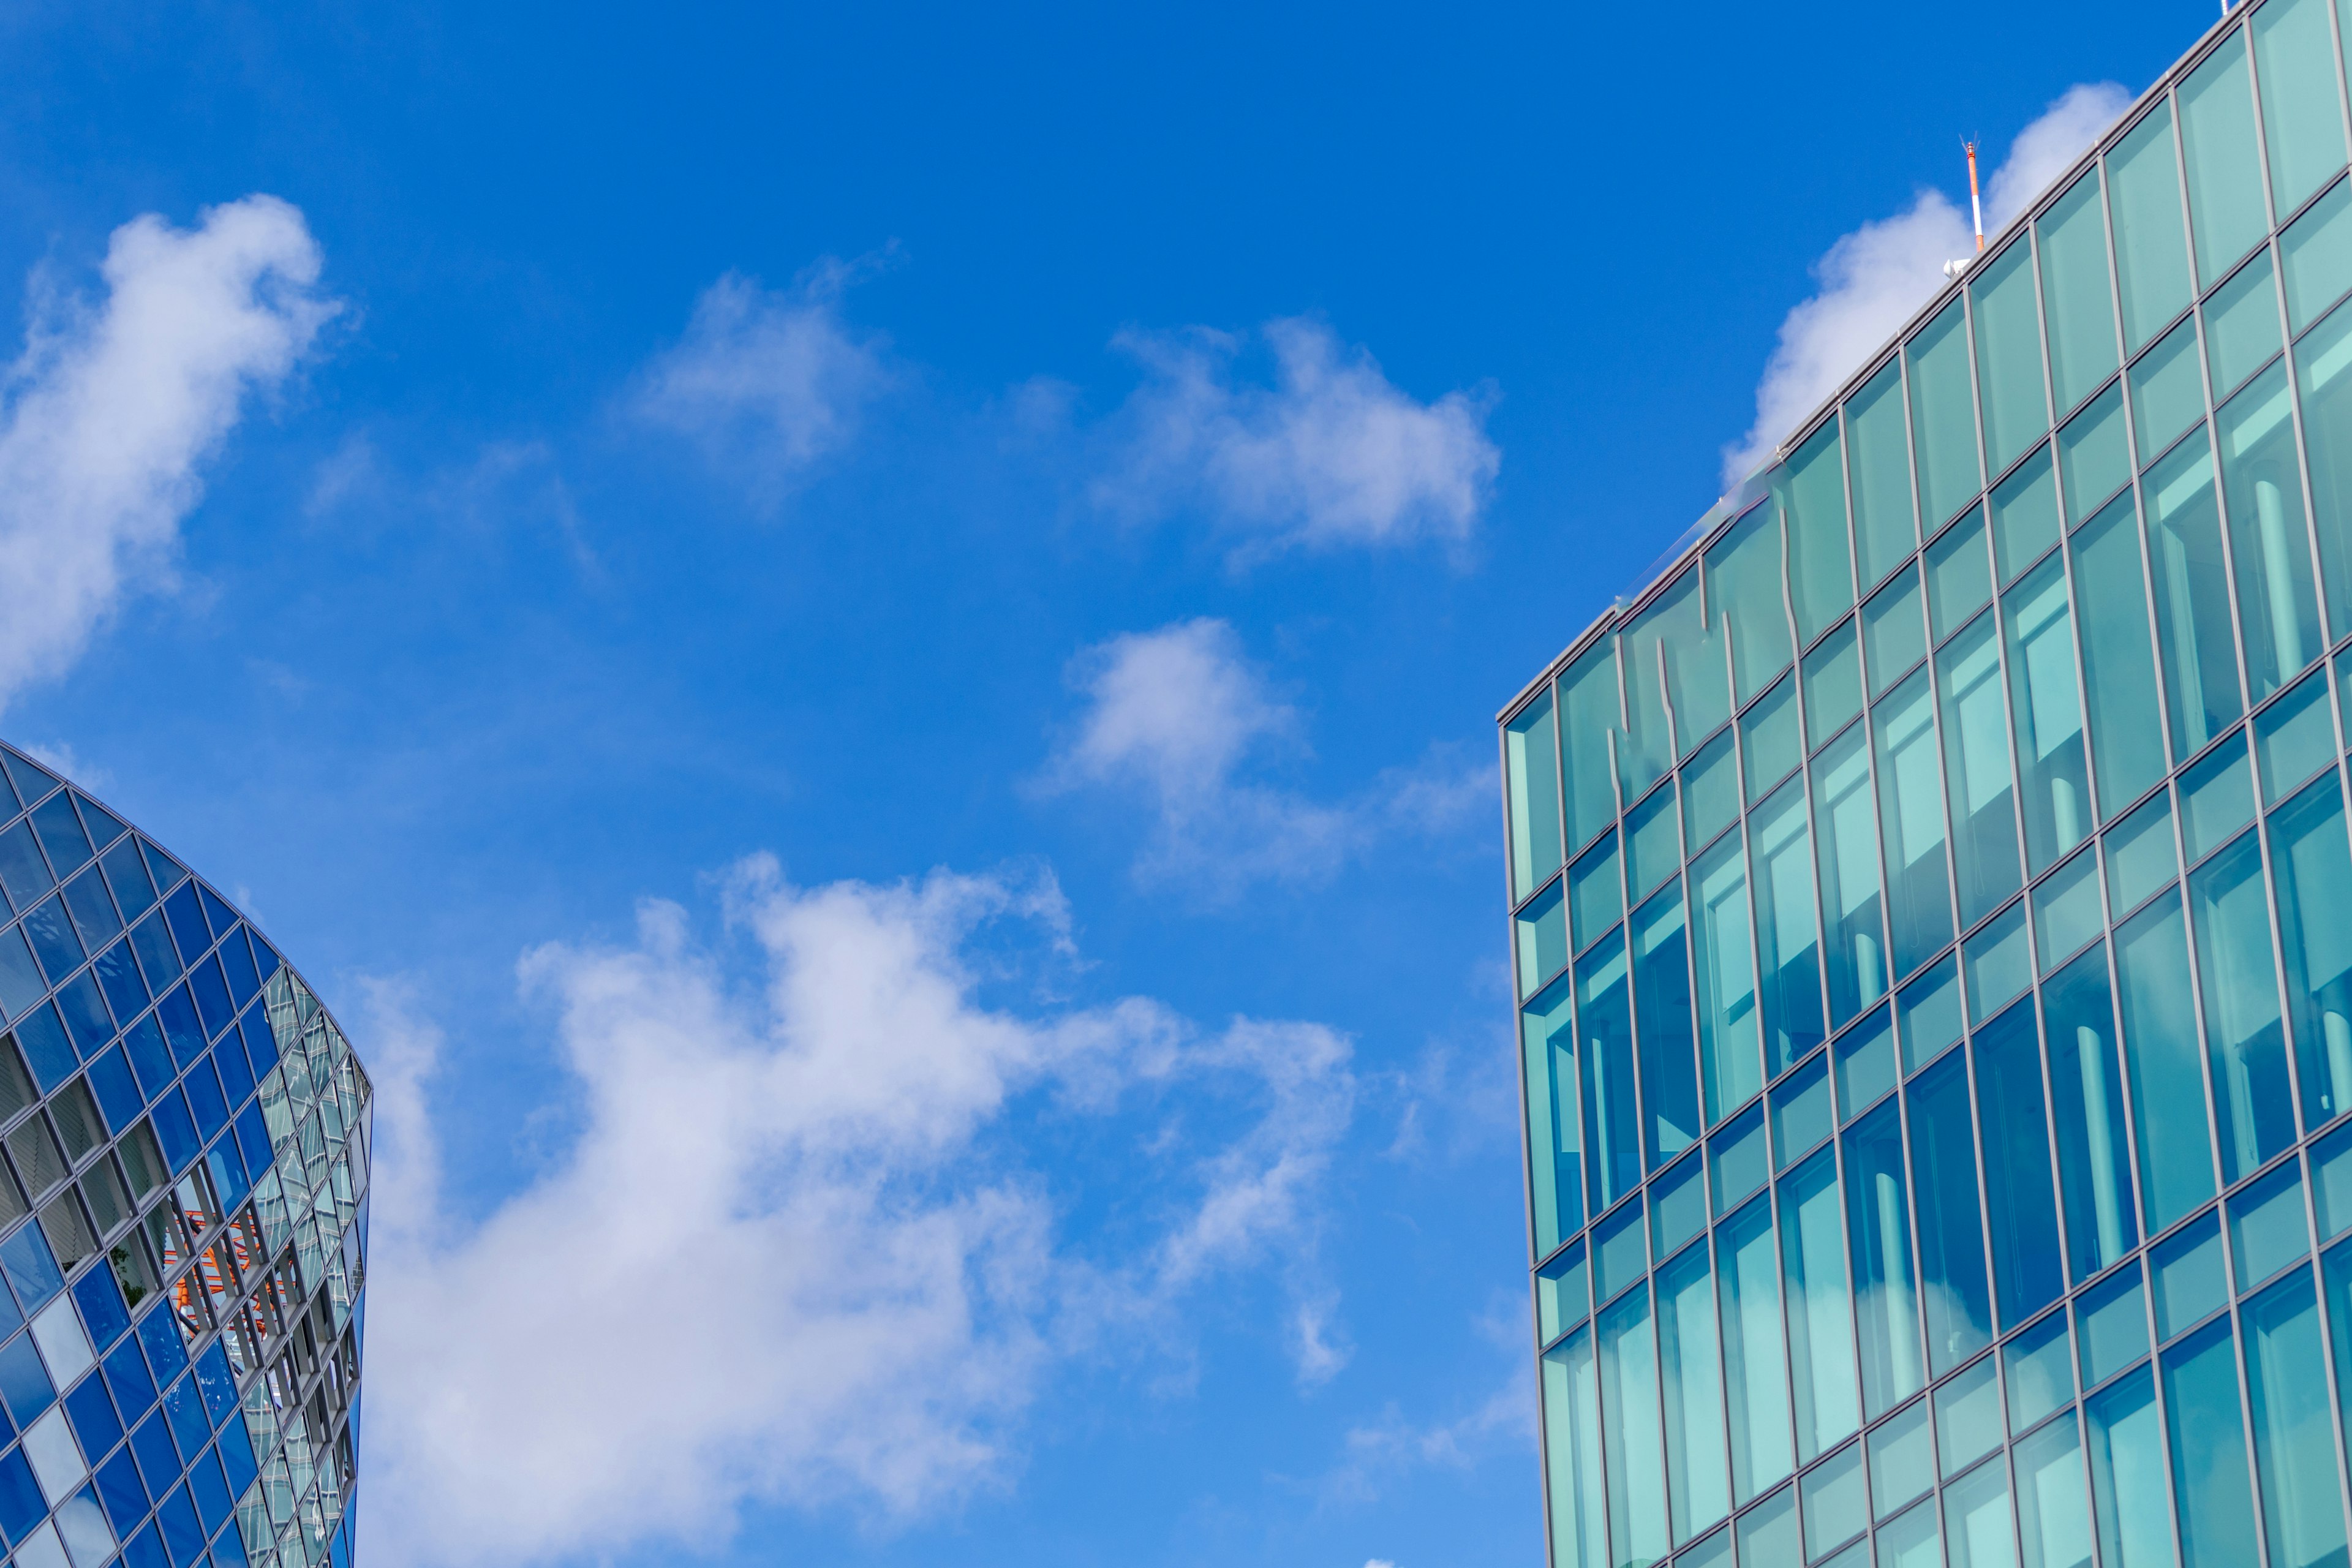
859 647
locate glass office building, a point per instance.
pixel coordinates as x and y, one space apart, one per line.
1931 904
183 1214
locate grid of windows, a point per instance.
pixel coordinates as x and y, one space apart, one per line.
1932 913
183 1214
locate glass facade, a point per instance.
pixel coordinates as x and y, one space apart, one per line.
184 1136
1931 911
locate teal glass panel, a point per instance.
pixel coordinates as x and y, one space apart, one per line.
1911 815
1633 1432
1653 843
1909 1542
2167 391
1710 787
1739 1161
1596 893
2074 293
2315 258
1866 1069
1885 529
2025 516
2194 641
2210 1488
1985 855
2066 912
2313 872
2151 250
1902 1460
1754 1375
2321 360
1824 1398
2009 355
2303 123
1541 930
1803 1115
1698 1480
2020 1195
1621 1250
1845 835
2335 1272
1604 1059
1770 1533
2294 1450
1563 1294
2295 737
1999 964
1943 418
2038 1365
1662 1006
1832 684
2128 1498
1820 570
1770 740
1744 591
1951 1234
2269 542
1723 960
1572 1473
1977 1519
2331 1184
2140 854
2252 1097
1677 1206
1835 1506
1968 1418
1787 942
1960 579
1531 764
2217 796
1555 1164
2226 214
2190 1281
1886 1295
1588 712
1715 1552
2093 455
2087 1111
1675 686
2163 1061
2053 1509
2267 1227
2111 1323
2241 325
1929 1012
1894 632
2046 707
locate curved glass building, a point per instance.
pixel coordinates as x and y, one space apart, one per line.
1931 905
183 1214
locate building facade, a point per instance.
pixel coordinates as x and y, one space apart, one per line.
183 1214
1931 908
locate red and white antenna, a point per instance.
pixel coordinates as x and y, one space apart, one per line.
1976 203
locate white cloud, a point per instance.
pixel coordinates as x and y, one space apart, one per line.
1175 716
767 382
1873 278
794 1251
1332 454
115 404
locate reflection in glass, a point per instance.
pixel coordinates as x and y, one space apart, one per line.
2321 360
2053 1515
1943 417
1884 527
1697 1487
1629 1405
1662 1003
1769 741
2315 258
1556 1189
1975 753
2167 390
1532 761
1541 929
2087 1110
1832 684
1977 1524
1911 814
2303 127
2045 703
1820 1319
1724 960
1788 948
2021 1200
2267 540
1596 893
2217 134
1951 1232
2252 1097
2313 872
2192 598
1756 1383
1588 711
2117 666
2128 1498
2209 1485
1571 1409
1606 1057
1846 836
2241 325
2151 251
1743 592
1886 1295
2025 515
2074 235
1812 497
2009 353
2093 455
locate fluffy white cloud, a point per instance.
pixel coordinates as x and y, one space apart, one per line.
794 1251
1175 716
115 404
1873 278
767 382
1332 454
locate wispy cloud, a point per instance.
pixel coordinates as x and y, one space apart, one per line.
1873 278
1330 455
796 1251
1177 717
108 417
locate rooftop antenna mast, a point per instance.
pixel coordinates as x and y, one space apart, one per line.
1976 203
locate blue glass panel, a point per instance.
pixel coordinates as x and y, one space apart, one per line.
236 1077
31 1271
161 1341
126 1374
21 984
61 835
340 1552
46 1049
121 1492
253 1136
176 1131
23 1382
1662 1003
2162 1058
2210 1484
166 871
149 1055
125 991
104 826
2253 1100
212 996
210 1490
263 956
54 940
21 1507
260 1045
2021 1200
101 1308
187 919
1885 1293
94 919
145 1550
229 1552
216 914
118 1091
23 781
22 869
177 1013
236 1457
2087 1103
1951 1232
92 1414
85 1017
228 1173
157 1458
215 1384
236 957
183 1537
133 889
156 955
185 1411
205 1097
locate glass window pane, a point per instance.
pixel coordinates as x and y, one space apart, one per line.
2021 1198
1821 571
1723 958
2217 797
2315 256
2009 355
1698 1485
1885 529
1571 1413
1959 581
1770 1533
1802 1112
2025 516
1768 738
2128 1498
2241 325
2251 1094
2193 601
1632 1431
1893 633
1788 948
1943 417
2313 870
1866 1069
1677 1206
2066 911
1660 643
1532 760
1588 711
1885 1294
2074 236
1832 686
2111 1320
2331 1182
1929 1010
1605 1060
1999 965
1743 590
2303 126
1710 787
1909 1542
2295 737
1951 1234
2046 707
1739 1160
2268 542
1756 1384
2217 134
2321 360
1662 1003
2087 1111
2168 394
1847 836
2140 854
1833 1503
1541 929
1621 1250
1976 761
1967 1417
1653 844
2267 1228
1596 893
2053 1513
1902 1460
2210 1484
2161 1054
2189 1279
1977 1521
2038 1367
1563 1294
1821 1321
2294 1450
2151 251
1555 1169
1911 812
2093 455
